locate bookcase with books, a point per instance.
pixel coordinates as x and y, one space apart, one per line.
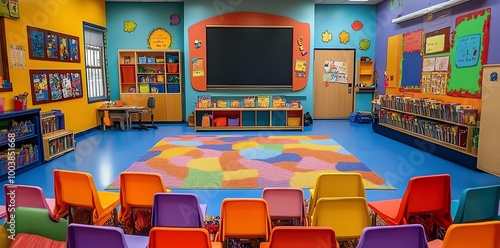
452 126
56 140
248 113
158 73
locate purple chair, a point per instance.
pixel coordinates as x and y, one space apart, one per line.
84 236
402 236
177 210
27 196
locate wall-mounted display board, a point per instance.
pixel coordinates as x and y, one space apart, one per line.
469 53
437 41
55 85
10 9
412 57
53 46
300 37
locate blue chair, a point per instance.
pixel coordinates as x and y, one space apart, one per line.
476 204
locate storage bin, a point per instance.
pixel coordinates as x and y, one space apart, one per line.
151 60
232 121
142 60
364 117
172 68
353 117
127 73
173 88
157 88
172 58
220 122
294 121
160 60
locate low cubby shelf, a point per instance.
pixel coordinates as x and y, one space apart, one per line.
251 119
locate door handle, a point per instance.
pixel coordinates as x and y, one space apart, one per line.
349 88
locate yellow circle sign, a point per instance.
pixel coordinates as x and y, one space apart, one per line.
160 39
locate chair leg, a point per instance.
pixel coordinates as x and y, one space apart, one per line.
115 217
374 219
70 215
133 221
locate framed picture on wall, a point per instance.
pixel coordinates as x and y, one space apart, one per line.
52 46
55 85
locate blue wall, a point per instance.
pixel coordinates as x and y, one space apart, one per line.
198 10
147 16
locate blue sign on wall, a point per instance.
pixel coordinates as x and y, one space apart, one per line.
468 51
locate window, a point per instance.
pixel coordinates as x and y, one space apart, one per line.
95 63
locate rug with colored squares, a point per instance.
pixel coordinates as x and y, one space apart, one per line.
249 162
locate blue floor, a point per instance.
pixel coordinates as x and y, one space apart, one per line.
106 154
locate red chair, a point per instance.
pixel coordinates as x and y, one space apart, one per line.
423 195
301 237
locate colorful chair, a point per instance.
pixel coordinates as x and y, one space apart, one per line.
137 190
286 203
83 236
3 212
336 185
423 195
301 237
466 235
177 210
476 204
27 196
348 216
407 236
244 218
160 237
77 189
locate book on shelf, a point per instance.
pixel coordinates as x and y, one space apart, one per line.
221 104
279 101
235 103
204 101
249 102
295 104
263 101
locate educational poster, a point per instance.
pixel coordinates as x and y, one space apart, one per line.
300 68
17 57
412 41
469 53
429 64
335 72
442 63
55 86
160 39
439 82
198 70
437 41
37 43
52 48
66 88
41 87
426 82
63 48
76 84
73 50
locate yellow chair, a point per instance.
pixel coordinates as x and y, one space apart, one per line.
348 216
336 185
470 235
77 189
137 190
244 218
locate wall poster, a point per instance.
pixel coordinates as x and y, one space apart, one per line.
55 85
52 46
335 72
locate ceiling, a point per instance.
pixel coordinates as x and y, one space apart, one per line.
369 2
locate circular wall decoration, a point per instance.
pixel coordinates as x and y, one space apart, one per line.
160 39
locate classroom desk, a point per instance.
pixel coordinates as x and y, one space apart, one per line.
125 109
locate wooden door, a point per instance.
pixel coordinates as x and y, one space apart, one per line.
333 100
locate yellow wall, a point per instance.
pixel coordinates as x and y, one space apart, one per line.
63 16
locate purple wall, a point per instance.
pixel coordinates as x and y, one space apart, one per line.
385 27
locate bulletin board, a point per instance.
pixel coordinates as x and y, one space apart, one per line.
437 41
469 53
412 58
53 46
55 85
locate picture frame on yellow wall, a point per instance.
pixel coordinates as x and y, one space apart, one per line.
52 46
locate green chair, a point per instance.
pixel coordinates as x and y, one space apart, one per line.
476 204
37 222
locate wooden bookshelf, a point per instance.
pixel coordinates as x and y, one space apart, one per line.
428 117
251 119
58 143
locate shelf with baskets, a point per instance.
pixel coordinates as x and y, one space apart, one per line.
20 142
215 119
56 140
155 73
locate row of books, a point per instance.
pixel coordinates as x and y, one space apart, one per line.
454 112
278 101
61 144
455 135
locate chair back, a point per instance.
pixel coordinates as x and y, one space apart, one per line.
235 216
160 237
465 235
37 221
83 236
301 237
151 102
348 216
75 189
285 203
177 210
25 196
407 236
138 189
478 204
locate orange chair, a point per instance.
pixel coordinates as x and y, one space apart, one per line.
77 189
244 218
423 195
481 234
137 190
300 237
160 237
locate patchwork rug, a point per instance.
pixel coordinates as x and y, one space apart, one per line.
249 162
